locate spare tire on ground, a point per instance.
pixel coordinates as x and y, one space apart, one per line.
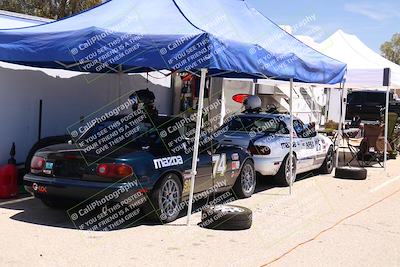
352 173
226 217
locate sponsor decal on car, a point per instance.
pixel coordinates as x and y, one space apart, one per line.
235 165
167 162
235 156
39 188
219 164
187 176
287 145
48 168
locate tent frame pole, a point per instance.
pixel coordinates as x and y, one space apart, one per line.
386 128
196 142
340 126
291 132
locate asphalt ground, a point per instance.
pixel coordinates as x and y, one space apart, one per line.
325 222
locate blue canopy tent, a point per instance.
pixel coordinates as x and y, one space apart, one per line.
133 36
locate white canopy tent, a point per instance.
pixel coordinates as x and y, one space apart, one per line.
365 67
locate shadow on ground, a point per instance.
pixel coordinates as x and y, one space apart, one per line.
32 210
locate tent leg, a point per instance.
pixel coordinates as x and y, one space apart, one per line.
196 142
291 135
386 128
340 126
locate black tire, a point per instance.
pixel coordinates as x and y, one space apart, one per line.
226 217
153 207
245 185
352 173
42 143
327 166
281 177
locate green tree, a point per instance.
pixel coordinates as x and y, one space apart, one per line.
53 9
391 49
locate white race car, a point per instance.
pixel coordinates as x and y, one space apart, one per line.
267 137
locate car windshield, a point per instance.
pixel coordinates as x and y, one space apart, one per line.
256 124
138 134
375 98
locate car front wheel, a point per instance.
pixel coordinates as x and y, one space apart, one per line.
283 176
327 166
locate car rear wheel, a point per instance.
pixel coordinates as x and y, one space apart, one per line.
165 199
246 181
327 166
283 176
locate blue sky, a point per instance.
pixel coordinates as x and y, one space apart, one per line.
374 22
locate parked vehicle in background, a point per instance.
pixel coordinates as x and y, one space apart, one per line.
267 138
369 105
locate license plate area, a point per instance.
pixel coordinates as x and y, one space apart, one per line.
73 169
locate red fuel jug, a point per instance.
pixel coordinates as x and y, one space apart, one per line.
9 177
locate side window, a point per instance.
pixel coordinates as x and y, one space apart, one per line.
282 128
298 128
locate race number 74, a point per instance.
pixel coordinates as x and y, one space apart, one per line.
219 164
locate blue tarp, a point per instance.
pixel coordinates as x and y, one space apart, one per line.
227 37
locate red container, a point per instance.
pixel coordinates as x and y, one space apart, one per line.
8 181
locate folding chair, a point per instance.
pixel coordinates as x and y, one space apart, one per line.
354 145
372 147
393 138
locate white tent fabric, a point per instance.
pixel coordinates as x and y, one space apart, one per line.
9 20
364 66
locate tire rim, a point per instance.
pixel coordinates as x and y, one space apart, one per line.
329 159
287 170
170 198
226 209
247 178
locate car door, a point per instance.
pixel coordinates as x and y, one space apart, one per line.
204 171
203 180
320 151
305 147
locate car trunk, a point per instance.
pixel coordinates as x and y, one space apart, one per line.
66 161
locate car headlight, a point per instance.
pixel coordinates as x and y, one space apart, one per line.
259 150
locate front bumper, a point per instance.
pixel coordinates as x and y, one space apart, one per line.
78 190
266 165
